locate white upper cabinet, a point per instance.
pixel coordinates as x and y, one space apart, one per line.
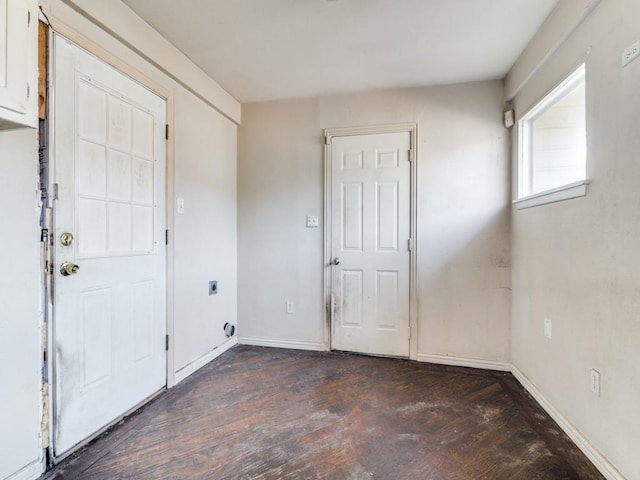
18 63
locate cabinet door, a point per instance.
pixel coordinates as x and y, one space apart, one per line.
14 52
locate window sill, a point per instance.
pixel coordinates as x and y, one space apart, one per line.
566 192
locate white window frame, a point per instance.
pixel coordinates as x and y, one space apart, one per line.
525 153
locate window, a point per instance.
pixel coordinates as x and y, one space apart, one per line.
553 140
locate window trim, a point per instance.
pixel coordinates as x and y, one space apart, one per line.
525 150
553 195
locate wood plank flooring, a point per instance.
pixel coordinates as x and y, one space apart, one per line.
263 413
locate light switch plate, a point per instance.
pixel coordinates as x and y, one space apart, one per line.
313 221
548 328
595 382
180 205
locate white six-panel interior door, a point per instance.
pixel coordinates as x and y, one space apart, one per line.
370 249
109 318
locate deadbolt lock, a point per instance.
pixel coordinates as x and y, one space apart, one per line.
66 239
68 268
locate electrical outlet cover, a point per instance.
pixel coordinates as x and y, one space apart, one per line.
313 221
630 53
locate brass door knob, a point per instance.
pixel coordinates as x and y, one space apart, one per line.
68 268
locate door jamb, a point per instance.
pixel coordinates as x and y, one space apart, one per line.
58 27
329 133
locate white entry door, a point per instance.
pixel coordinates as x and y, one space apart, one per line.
370 229
109 316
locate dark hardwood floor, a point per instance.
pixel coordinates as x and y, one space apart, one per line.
262 413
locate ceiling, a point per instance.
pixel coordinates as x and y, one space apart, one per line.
273 49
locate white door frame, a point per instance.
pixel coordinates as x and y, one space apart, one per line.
60 28
329 133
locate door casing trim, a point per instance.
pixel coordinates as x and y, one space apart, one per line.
412 129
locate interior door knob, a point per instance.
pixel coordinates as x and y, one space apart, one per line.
335 261
68 268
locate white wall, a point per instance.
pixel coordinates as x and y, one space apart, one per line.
20 303
463 241
205 236
203 240
577 262
280 182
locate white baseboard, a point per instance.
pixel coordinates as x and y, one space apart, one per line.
601 463
464 362
30 472
184 372
280 343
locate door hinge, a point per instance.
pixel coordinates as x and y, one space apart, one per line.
44 235
410 244
166 131
54 191
166 237
166 343
28 18
28 91
410 156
